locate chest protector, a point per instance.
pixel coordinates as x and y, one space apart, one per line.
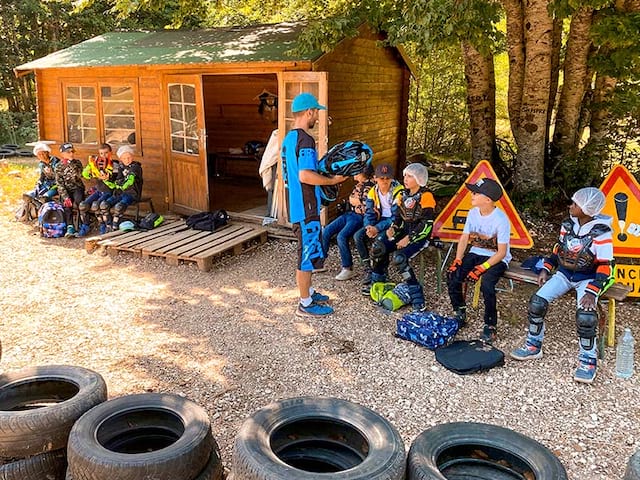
411 206
574 251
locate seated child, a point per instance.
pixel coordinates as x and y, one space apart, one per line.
379 209
408 233
487 230
45 188
344 226
99 167
583 258
126 186
70 185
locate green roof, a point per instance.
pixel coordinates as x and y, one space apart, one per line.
261 43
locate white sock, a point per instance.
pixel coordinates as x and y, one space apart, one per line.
305 302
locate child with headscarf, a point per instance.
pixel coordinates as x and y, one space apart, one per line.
583 261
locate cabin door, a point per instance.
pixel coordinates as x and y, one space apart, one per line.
291 84
186 144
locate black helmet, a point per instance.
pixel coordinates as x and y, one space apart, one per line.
346 158
328 194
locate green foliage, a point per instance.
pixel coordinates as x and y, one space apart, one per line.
438 120
17 128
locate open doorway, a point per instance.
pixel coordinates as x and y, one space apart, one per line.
240 114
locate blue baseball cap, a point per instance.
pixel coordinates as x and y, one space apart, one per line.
306 101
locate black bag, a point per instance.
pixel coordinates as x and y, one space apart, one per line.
151 221
208 221
469 356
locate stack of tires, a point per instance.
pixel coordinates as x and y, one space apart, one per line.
146 436
38 407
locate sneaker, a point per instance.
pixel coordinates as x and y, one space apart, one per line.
313 310
489 334
102 229
318 297
84 230
71 232
319 270
420 307
529 351
366 289
586 371
345 274
460 314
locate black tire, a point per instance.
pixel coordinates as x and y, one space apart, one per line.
212 471
302 437
135 437
46 466
39 405
480 451
633 467
5 152
10 146
24 152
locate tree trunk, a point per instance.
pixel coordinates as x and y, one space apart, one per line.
565 137
599 127
515 51
532 132
481 101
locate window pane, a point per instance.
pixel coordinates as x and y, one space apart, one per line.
89 121
73 93
175 110
189 93
118 114
177 144
73 106
87 93
81 114
192 146
175 93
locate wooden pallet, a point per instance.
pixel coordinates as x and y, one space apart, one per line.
176 242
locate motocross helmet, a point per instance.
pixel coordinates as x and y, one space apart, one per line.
347 158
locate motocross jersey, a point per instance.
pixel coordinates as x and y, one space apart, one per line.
415 213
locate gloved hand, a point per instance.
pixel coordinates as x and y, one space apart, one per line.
475 274
451 271
67 203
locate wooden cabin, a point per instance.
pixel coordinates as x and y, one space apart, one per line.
194 104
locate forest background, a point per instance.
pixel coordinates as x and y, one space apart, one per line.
547 90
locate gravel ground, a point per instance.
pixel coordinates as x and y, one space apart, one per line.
229 340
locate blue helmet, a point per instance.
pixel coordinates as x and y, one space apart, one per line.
347 158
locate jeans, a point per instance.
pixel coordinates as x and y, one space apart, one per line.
343 228
489 280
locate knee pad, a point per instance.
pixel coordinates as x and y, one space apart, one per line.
120 208
378 249
537 310
586 323
401 262
83 207
95 206
105 207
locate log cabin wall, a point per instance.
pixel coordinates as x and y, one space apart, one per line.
150 146
368 99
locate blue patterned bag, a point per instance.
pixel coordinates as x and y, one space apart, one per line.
427 329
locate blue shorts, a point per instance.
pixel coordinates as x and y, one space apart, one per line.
309 235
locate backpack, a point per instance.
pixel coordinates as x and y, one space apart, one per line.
208 221
469 356
389 295
51 220
151 221
427 329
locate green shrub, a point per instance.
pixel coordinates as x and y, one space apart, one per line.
18 127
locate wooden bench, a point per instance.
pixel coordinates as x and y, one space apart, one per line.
616 292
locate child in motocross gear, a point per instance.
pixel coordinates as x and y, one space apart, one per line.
45 188
347 224
126 185
70 185
408 234
583 259
380 207
487 230
99 167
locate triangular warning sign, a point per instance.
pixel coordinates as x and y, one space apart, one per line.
449 224
622 194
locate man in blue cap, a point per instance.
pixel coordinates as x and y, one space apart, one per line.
301 178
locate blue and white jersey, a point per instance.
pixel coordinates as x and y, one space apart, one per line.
299 153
